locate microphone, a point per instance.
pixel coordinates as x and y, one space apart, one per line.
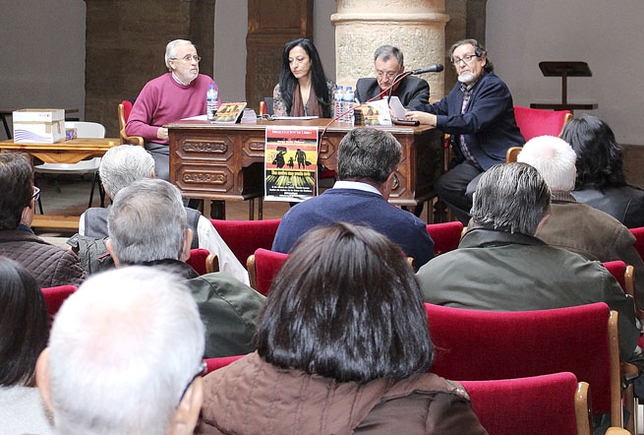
434 68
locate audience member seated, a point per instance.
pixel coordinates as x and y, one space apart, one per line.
50 265
343 347
478 113
388 63
178 94
125 164
367 161
579 227
24 328
501 266
125 357
228 307
303 89
601 182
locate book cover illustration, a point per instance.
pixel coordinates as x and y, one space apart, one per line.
230 113
290 165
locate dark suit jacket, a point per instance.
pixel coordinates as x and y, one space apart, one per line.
411 91
488 123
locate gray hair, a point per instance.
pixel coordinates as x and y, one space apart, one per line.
511 197
386 52
171 49
147 222
123 349
479 50
554 159
369 155
123 165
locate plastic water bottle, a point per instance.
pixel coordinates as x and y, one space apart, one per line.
338 96
348 101
212 103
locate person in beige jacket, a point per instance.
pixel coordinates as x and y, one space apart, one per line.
343 347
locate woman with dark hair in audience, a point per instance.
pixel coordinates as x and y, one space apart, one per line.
601 182
343 347
24 329
303 89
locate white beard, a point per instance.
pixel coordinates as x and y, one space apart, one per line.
466 78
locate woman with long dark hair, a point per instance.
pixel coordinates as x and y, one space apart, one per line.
601 182
342 347
303 89
24 330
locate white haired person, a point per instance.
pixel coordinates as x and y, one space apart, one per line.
125 357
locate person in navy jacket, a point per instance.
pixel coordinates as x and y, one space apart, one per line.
479 115
367 163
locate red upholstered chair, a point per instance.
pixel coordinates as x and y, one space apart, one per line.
202 261
554 403
473 345
446 236
639 239
262 267
124 110
213 364
55 296
537 122
244 237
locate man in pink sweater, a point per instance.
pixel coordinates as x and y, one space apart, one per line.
178 94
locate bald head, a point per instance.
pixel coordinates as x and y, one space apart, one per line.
554 159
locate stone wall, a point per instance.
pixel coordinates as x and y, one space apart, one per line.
123 51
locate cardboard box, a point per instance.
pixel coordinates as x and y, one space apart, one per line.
39 125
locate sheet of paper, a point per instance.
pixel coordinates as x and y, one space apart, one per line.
397 107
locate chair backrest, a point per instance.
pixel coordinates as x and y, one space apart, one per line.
244 237
202 261
486 345
55 296
537 122
639 240
124 110
446 236
213 364
554 403
262 267
87 129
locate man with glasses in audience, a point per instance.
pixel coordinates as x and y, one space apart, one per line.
388 60
178 94
479 115
49 265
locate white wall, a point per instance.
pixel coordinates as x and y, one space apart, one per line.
607 35
42 54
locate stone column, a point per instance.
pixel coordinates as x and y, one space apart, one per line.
417 27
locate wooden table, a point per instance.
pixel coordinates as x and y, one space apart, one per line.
225 161
71 151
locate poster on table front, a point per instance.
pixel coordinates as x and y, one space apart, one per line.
290 165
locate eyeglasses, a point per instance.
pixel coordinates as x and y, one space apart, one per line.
390 75
36 194
203 368
465 59
188 58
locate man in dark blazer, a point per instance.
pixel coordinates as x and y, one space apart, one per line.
388 61
479 115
